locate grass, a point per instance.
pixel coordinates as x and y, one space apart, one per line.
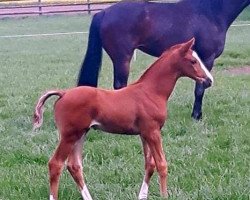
207 160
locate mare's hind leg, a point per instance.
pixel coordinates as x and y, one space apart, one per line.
121 70
149 170
120 52
74 166
57 161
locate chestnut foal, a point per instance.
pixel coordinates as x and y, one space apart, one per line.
138 109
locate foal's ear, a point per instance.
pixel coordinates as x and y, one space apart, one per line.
188 45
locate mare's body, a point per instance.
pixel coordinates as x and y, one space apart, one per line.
154 27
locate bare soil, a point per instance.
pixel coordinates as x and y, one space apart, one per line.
238 70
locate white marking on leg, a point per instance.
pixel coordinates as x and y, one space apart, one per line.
85 193
51 197
144 191
209 75
94 122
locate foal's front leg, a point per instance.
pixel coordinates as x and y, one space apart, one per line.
74 166
149 170
154 141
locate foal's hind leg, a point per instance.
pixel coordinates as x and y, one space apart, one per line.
74 165
149 170
57 161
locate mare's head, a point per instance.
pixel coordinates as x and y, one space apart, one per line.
188 63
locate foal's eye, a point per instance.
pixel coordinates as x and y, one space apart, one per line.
193 61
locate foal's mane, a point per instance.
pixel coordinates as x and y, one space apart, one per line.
155 64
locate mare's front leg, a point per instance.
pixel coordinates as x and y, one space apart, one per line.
197 109
74 166
199 93
154 141
149 170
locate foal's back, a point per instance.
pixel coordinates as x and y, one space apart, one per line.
82 106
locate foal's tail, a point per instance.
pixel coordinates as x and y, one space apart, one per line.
91 65
38 115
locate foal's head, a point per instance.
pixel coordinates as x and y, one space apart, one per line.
189 64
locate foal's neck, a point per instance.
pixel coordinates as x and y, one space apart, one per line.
159 79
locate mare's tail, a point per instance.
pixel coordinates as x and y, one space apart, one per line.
38 115
91 65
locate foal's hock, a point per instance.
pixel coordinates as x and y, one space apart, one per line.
79 109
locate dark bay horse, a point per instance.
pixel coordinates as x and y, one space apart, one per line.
154 27
138 109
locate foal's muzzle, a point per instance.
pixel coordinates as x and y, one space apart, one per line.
207 83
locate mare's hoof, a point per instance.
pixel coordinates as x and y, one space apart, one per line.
197 116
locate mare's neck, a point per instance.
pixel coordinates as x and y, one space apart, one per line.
232 10
222 12
159 80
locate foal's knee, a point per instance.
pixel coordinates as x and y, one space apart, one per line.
162 169
150 167
55 169
74 168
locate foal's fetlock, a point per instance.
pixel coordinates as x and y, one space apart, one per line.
164 195
51 197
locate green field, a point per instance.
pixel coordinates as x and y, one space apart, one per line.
207 160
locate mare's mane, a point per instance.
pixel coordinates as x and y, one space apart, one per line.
210 7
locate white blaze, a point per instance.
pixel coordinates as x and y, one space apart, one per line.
209 75
144 191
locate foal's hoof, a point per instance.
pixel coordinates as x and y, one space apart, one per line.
165 195
197 116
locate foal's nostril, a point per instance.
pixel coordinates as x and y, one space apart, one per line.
207 83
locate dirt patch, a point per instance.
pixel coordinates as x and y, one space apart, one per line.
238 70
